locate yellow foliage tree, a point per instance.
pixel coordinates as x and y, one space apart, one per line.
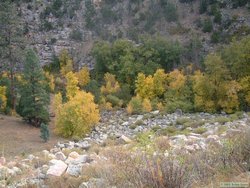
159 82
77 116
57 103
111 85
72 85
50 80
3 98
203 100
66 62
83 76
145 86
176 80
230 102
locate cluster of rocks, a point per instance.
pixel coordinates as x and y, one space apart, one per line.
63 160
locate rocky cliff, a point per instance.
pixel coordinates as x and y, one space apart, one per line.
53 25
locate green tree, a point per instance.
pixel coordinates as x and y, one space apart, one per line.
11 45
44 132
237 58
33 105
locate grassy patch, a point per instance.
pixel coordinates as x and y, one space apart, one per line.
200 130
182 121
221 120
172 131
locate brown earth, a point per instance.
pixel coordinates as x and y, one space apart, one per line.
19 138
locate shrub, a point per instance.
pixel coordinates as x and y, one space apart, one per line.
94 88
115 101
170 12
215 37
182 121
146 105
76 35
3 98
135 106
44 132
207 25
222 120
200 130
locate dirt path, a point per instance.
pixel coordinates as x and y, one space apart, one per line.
19 138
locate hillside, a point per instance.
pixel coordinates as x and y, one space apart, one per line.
124 93
75 25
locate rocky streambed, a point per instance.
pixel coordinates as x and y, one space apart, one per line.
185 133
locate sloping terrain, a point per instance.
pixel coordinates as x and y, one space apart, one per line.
19 138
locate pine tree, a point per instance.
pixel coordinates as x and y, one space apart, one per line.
11 46
44 132
33 105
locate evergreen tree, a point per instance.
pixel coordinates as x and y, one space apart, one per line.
44 132
33 105
11 46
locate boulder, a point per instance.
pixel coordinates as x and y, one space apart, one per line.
60 156
74 170
57 167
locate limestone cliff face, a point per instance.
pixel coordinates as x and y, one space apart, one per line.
53 25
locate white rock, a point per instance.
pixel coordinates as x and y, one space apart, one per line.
125 123
31 157
73 155
139 117
57 167
125 139
155 112
74 169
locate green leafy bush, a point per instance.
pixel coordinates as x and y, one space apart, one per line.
207 25
76 35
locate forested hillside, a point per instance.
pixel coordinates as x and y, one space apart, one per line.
147 87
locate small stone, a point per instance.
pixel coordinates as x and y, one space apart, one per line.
139 117
73 155
156 112
125 123
125 139
31 157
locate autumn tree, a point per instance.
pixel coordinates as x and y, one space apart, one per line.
83 76
111 84
77 116
3 98
33 105
145 86
215 90
178 94
71 85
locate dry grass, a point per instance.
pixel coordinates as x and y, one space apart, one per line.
19 138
